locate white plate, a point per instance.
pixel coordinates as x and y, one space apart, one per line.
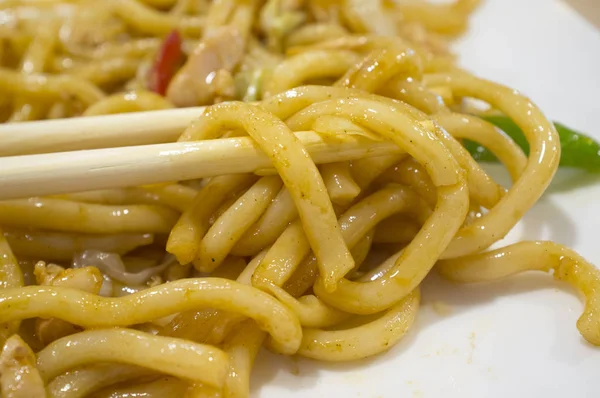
515 338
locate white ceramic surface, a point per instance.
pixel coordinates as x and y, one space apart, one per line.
515 338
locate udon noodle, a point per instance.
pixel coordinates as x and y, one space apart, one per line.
172 289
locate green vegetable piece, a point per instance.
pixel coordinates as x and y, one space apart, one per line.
578 150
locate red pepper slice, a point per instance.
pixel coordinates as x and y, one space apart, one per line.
166 64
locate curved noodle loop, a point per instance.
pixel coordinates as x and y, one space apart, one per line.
172 289
566 265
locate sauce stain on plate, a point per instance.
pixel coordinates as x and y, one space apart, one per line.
472 345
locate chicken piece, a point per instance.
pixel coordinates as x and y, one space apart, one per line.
196 82
88 279
19 377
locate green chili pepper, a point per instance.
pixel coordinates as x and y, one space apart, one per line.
578 150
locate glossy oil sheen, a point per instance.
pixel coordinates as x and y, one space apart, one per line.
515 338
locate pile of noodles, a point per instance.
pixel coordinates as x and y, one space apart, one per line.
171 290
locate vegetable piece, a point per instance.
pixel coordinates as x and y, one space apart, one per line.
167 62
578 150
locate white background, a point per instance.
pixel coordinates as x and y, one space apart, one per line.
515 338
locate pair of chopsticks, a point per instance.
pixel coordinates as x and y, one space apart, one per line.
114 151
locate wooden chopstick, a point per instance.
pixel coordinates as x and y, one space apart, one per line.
92 132
588 9
65 172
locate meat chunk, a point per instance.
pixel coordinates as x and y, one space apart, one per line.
197 82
